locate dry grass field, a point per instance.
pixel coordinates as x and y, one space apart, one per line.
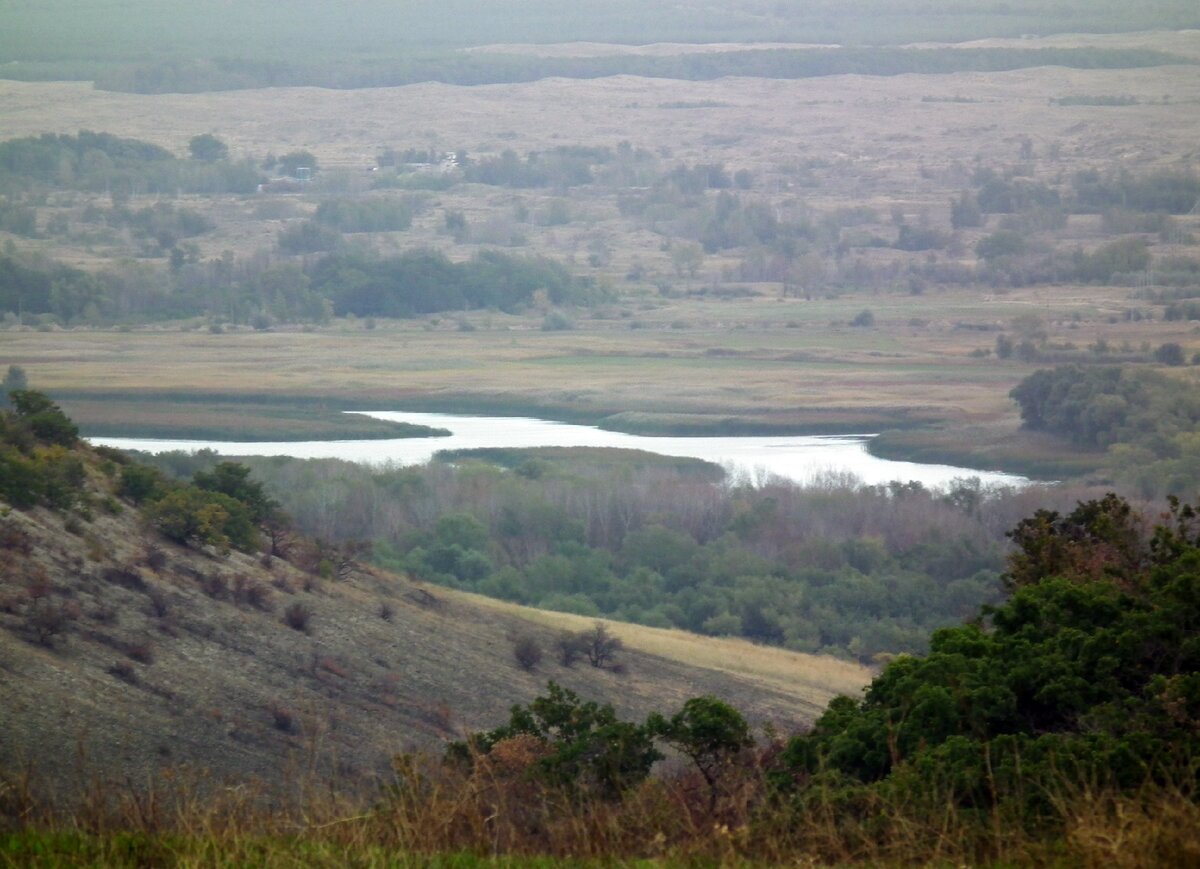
815 678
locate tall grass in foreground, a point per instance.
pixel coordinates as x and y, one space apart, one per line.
495 814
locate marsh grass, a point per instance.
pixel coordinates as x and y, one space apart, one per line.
998 445
268 419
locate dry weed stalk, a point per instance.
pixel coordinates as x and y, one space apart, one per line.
495 807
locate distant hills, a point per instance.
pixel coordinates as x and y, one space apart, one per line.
63 39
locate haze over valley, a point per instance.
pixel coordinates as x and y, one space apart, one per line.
597 278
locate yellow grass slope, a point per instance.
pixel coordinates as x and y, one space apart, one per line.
811 679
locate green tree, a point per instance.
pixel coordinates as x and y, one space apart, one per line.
1092 540
1170 353
708 731
233 479
1086 679
21 481
208 148
591 750
44 418
188 514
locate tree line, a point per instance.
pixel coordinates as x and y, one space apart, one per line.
1147 421
479 68
262 290
102 162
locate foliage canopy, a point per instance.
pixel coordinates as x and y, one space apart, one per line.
1088 671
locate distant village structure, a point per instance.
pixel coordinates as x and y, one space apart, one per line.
445 163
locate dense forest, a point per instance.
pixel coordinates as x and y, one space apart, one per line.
836 568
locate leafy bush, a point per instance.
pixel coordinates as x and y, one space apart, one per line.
590 750
140 483
44 418
1170 353
527 651
37 465
1090 672
189 514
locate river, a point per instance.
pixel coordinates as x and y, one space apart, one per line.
803 459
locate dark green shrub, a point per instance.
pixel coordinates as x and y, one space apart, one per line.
591 750
1090 673
44 418
708 731
140 483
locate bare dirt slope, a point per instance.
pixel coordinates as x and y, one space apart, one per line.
112 667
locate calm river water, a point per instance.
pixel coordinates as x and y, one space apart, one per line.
803 459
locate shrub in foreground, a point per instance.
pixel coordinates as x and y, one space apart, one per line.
1089 676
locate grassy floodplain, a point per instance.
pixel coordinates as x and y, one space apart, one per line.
715 349
686 366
